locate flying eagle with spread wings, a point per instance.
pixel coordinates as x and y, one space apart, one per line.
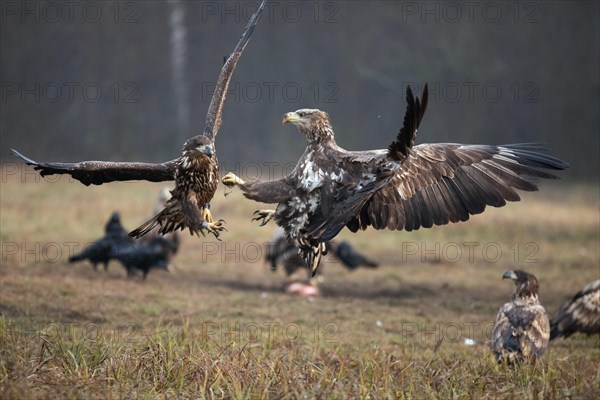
521 331
580 314
195 172
402 187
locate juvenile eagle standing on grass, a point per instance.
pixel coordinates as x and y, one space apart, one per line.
580 314
402 187
195 173
521 331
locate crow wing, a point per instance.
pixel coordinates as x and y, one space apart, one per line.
350 257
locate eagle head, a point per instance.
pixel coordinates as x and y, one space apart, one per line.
526 284
199 146
313 123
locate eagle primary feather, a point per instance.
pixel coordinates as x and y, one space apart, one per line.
195 173
402 187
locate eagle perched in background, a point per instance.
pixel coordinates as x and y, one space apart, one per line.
402 187
580 314
521 330
195 173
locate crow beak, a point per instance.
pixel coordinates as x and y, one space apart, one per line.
290 117
509 275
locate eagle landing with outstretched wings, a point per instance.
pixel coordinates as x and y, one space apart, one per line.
195 172
402 187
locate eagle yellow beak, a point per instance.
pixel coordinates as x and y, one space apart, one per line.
509 275
290 117
205 149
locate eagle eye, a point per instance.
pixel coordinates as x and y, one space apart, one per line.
301 114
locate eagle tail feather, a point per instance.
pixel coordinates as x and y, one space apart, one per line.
312 256
146 226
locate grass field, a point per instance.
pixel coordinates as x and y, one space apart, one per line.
220 325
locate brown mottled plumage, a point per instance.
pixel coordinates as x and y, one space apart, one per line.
521 331
196 180
163 197
580 314
401 187
195 173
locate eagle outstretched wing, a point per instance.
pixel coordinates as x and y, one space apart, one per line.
441 183
99 172
215 109
434 184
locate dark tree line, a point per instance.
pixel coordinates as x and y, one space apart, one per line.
79 84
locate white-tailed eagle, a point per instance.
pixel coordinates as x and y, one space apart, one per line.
195 172
521 331
402 187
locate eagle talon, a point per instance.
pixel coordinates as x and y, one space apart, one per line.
230 180
265 215
213 227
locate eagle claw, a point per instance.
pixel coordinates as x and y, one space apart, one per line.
213 227
265 215
230 180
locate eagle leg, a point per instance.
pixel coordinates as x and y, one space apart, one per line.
207 215
265 215
230 180
213 227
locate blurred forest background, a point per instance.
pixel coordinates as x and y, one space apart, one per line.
131 80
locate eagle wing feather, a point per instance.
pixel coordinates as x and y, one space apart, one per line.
580 314
99 172
215 109
441 183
